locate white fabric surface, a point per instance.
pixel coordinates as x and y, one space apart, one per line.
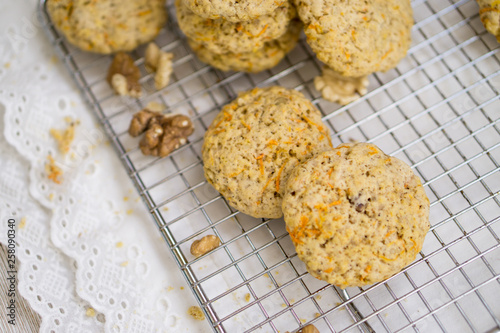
91 257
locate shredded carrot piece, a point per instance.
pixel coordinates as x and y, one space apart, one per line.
278 177
335 203
386 54
329 270
368 268
236 173
245 124
330 172
219 131
261 163
489 9
272 142
330 185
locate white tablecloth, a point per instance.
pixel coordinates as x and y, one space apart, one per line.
91 257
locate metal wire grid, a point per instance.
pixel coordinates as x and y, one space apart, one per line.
439 111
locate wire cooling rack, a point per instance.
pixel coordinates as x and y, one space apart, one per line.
439 111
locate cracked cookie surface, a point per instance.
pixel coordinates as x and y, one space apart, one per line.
355 215
357 37
253 144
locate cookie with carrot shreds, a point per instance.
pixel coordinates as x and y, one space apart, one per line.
223 36
108 26
254 143
489 12
355 215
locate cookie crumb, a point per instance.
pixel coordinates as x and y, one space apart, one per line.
90 312
340 89
196 313
247 297
119 244
170 288
130 211
126 199
124 264
22 223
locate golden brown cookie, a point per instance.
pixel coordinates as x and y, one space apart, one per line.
355 215
108 26
253 144
223 36
357 37
256 61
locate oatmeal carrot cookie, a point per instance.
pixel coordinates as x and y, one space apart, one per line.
233 10
253 144
355 215
489 12
222 36
357 37
254 61
108 26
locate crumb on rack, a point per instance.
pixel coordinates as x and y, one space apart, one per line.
124 264
119 244
129 211
54 172
247 297
170 288
196 313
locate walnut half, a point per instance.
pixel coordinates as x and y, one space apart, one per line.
123 76
163 133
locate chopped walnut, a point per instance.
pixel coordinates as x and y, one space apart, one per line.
160 62
204 245
124 75
163 133
341 89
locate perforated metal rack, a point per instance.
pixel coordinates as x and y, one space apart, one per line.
439 111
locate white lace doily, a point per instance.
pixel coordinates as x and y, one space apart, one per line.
91 258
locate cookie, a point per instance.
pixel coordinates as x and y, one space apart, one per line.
355 215
253 62
489 12
222 36
254 143
233 10
357 37
107 26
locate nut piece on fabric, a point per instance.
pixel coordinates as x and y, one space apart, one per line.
340 89
204 245
160 62
163 133
124 75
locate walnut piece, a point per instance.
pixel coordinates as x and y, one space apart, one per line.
163 133
160 62
123 76
341 89
204 245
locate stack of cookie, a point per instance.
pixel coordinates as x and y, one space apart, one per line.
239 35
